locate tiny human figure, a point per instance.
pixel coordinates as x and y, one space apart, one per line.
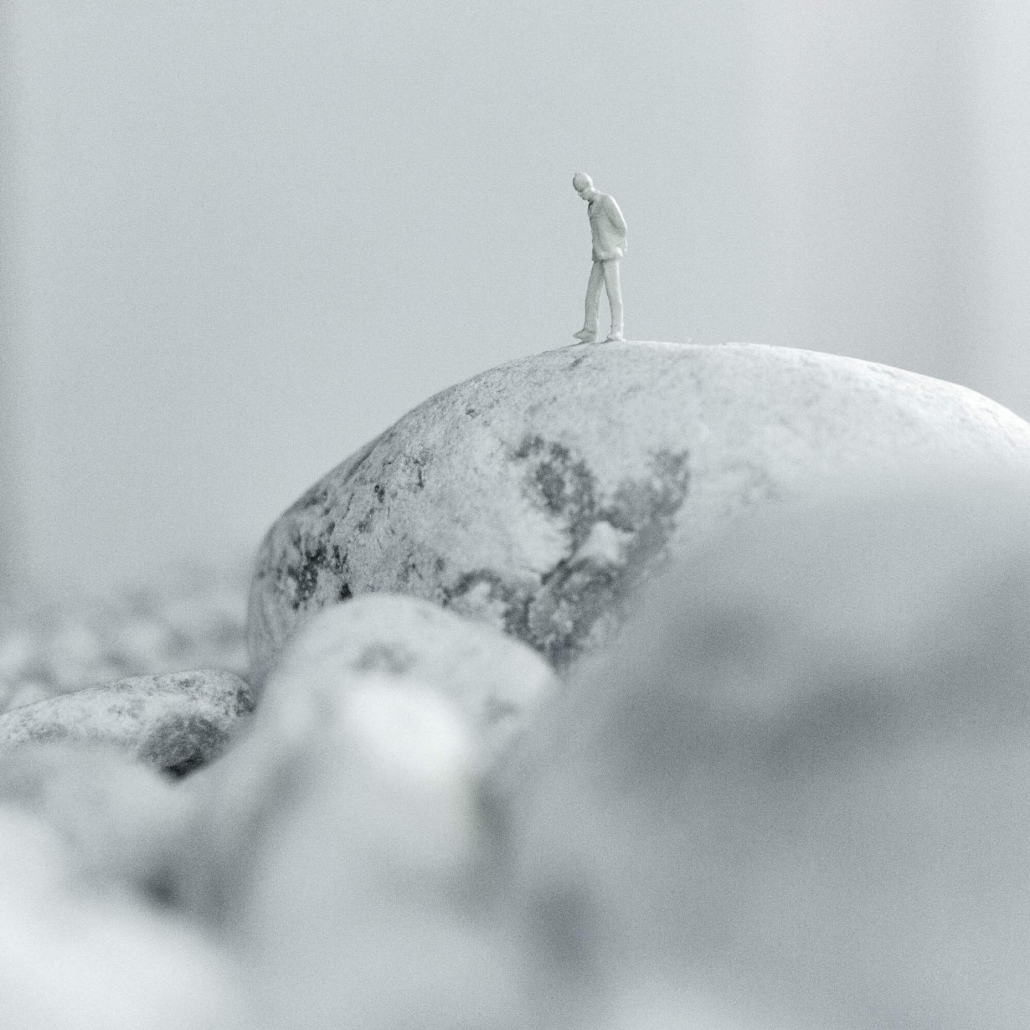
608 233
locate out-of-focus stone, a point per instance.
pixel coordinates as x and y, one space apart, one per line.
120 822
176 722
495 681
538 495
73 961
799 777
359 891
187 616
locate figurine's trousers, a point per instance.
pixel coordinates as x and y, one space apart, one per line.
607 272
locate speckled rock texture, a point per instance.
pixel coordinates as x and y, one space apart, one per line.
494 680
175 722
538 495
799 778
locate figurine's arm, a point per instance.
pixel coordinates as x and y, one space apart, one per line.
613 212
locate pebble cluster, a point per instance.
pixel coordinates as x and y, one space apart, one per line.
189 617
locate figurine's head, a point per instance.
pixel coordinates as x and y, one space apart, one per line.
583 185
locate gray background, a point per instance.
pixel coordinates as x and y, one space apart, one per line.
240 239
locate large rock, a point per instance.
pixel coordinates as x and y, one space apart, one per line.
537 495
175 722
799 782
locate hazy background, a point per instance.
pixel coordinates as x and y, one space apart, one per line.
240 239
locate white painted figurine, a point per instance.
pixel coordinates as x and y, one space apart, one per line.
608 230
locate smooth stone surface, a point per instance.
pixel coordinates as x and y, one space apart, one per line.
242 802
538 495
355 894
493 679
71 960
799 778
176 721
119 821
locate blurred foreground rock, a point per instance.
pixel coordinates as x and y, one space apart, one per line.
185 617
175 722
799 782
495 681
361 895
119 822
491 683
72 960
536 496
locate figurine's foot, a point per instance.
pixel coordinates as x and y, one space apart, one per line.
586 335
615 336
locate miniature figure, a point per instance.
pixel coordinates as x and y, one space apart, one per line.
608 232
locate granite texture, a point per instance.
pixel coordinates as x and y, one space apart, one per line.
538 495
175 722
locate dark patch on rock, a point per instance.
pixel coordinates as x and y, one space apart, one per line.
565 483
344 593
389 658
316 497
313 560
589 584
380 493
245 702
513 599
471 412
184 744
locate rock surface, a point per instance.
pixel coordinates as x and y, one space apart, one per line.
494 680
799 779
176 722
538 495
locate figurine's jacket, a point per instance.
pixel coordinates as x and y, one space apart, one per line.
607 227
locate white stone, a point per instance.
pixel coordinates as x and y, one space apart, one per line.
72 961
494 680
486 498
354 882
119 822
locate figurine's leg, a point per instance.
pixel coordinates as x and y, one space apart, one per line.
593 304
614 290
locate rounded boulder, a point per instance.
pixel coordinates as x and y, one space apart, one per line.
538 495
